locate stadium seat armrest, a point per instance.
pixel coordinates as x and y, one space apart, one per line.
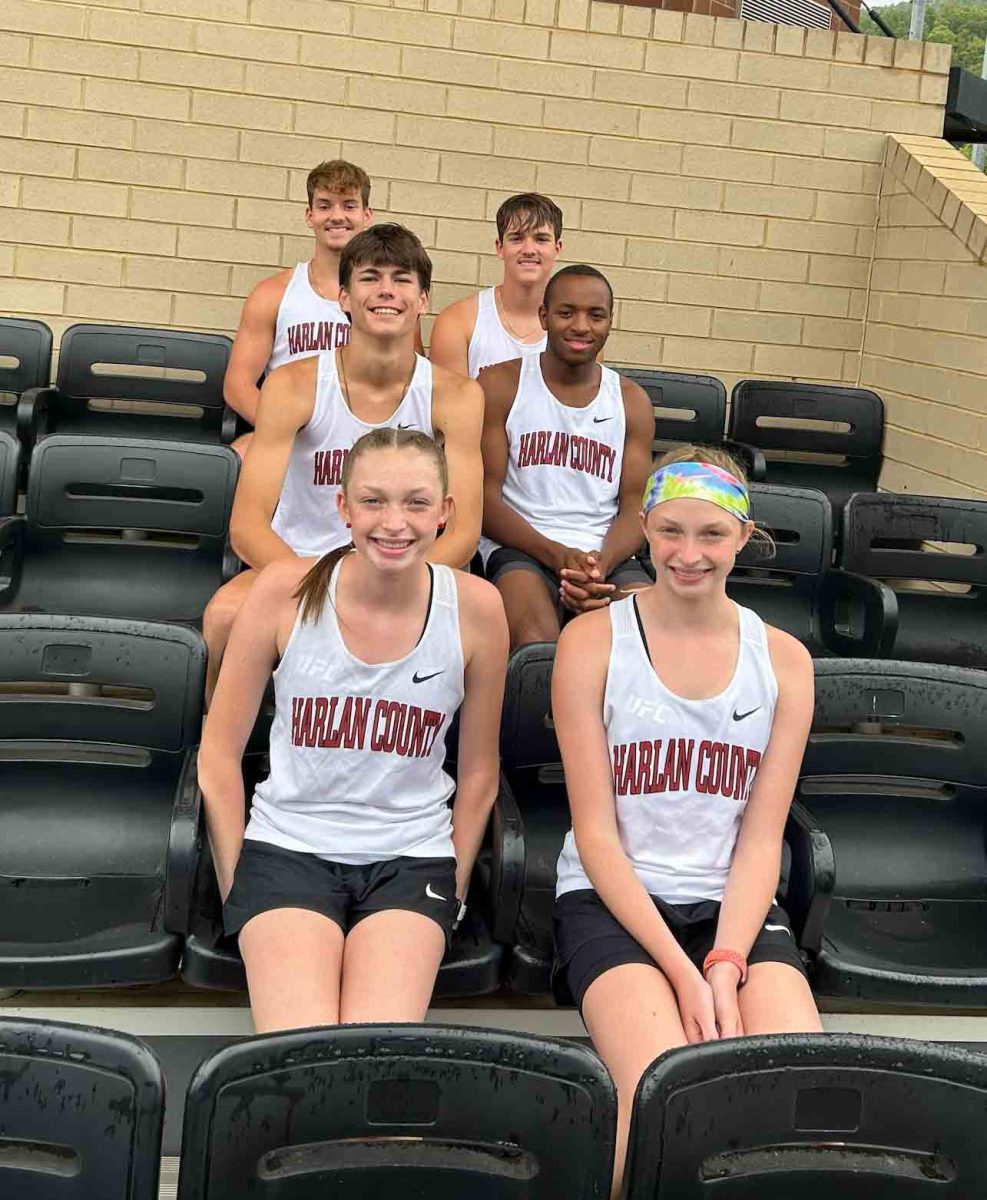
11 548
232 565
880 614
32 414
812 877
228 426
506 864
751 459
184 847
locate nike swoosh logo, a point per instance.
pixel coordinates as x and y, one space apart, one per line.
432 895
778 928
416 678
743 716
400 426
600 420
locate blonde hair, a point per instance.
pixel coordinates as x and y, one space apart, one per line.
313 590
715 456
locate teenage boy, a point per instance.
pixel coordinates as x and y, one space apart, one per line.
502 322
313 410
566 454
296 313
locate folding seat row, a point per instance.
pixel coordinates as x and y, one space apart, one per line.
364 1111
115 380
910 580
106 878
792 434
886 868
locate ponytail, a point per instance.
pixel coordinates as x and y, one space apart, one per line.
313 590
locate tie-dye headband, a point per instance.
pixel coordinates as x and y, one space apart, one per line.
698 481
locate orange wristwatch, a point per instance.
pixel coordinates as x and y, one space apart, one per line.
730 956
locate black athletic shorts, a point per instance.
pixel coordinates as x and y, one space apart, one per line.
269 877
590 940
628 573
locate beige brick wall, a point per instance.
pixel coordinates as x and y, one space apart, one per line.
725 174
925 346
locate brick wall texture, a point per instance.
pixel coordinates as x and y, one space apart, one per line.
725 174
925 343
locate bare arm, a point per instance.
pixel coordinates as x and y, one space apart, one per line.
252 347
247 666
450 341
753 878
624 537
478 773
457 414
287 399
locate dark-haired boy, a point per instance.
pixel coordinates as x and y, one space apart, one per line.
501 323
313 410
566 454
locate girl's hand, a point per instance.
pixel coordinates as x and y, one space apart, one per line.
723 979
696 1007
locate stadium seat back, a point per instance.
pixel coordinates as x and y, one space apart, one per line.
800 523
10 461
170 383
527 731
809 1115
894 780
81 1113
799 417
25 362
888 536
688 408
898 720
782 585
370 1111
128 483
98 681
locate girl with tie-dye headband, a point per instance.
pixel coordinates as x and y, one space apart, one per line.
682 719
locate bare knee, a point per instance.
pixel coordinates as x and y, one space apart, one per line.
220 612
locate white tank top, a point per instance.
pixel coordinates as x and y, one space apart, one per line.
491 343
357 750
307 322
563 463
306 516
682 769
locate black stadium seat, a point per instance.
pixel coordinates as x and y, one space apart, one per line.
793 422
124 381
365 1111
812 1116
10 463
471 967
98 721
795 588
25 363
121 527
940 543
692 409
894 792
536 819
81 1113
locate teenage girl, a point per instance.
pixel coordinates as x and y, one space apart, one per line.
346 882
682 720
